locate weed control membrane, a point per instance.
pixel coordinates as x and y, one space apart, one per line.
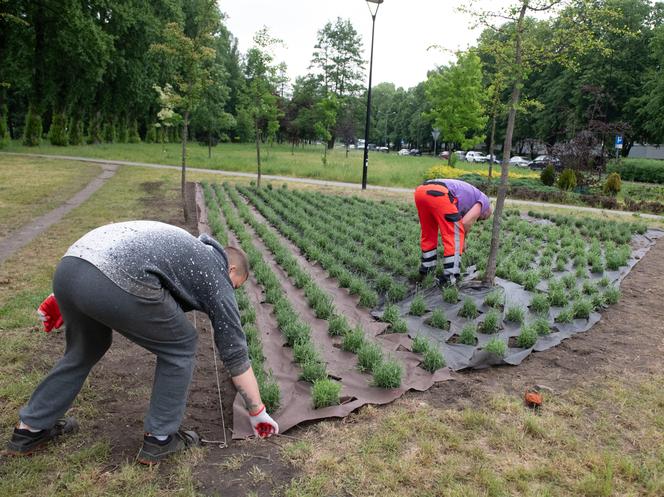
482 354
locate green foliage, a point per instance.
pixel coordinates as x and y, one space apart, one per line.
541 326
548 176
581 308
388 374
151 134
495 299
469 309
57 134
369 355
613 184
399 326
433 360
325 393
391 314
33 128
515 314
338 325
313 370
456 94
270 394
418 307
468 335
134 137
491 322
496 346
420 344
612 295
76 132
109 132
643 170
353 340
527 337
567 180
451 294
530 280
565 316
540 303
439 320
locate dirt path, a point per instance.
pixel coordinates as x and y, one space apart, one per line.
28 232
338 184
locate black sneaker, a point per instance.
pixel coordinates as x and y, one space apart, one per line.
26 442
154 451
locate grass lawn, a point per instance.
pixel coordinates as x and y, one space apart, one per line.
384 169
30 188
598 439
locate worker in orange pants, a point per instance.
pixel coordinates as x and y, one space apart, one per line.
451 207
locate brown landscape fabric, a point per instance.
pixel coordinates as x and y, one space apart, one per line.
296 404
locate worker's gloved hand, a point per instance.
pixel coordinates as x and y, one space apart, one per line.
49 314
263 425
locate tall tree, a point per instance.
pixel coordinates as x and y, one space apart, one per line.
456 96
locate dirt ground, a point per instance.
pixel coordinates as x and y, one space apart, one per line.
628 338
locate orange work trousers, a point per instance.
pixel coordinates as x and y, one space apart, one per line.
438 211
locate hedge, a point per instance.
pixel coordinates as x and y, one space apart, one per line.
644 170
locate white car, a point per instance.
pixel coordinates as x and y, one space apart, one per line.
404 151
519 161
475 157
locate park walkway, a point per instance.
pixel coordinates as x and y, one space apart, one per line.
319 182
19 238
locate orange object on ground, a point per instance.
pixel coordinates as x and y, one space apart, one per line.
533 398
438 211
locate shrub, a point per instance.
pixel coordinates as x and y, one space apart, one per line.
433 360
338 325
399 326
581 308
295 332
304 351
451 294
530 280
515 314
494 299
33 129
612 295
491 322
270 395
76 132
597 300
540 303
391 314
134 137
468 335
469 309
369 355
313 370
567 180
4 129
496 346
368 298
589 288
397 292
439 320
548 176
604 282
565 316
418 307
151 134
325 393
420 344
612 185
644 170
353 340
541 326
527 338
388 374
109 132
569 280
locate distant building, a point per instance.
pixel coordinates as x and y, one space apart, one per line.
639 151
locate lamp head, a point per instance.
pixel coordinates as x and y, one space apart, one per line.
375 1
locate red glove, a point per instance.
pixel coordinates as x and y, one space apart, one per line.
49 314
263 425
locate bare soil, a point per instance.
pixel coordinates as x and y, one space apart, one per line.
629 338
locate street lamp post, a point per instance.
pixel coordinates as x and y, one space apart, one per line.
365 166
435 135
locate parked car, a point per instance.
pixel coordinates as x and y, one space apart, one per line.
491 158
474 156
445 154
383 149
404 151
415 151
519 161
541 161
461 155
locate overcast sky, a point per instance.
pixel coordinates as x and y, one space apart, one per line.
404 31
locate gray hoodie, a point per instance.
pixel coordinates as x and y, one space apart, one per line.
147 258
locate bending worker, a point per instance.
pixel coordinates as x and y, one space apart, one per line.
139 278
450 206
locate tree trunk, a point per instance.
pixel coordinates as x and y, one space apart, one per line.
292 150
492 142
490 273
209 144
185 130
258 155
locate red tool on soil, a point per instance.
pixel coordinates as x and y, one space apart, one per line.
49 314
533 398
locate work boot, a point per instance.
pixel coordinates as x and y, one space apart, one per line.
154 450
26 442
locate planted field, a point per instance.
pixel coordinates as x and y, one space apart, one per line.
340 275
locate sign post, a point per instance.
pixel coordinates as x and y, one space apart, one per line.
435 134
618 145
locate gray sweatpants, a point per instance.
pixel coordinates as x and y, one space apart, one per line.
92 305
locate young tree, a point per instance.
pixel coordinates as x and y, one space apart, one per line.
326 117
187 57
456 97
258 103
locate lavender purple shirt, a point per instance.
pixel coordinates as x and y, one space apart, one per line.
467 195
